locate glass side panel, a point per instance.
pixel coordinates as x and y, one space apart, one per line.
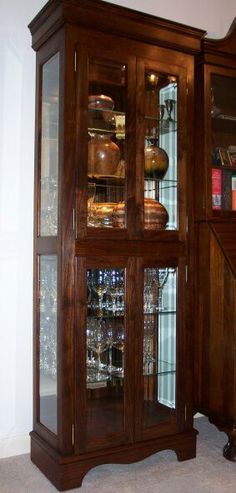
105 344
160 151
49 147
223 145
48 341
106 145
159 345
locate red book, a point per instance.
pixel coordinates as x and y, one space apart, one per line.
216 188
234 192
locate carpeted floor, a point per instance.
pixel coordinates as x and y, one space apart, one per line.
160 473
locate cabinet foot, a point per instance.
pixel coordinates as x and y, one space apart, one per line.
229 450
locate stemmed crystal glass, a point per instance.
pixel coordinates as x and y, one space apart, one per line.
100 286
148 345
109 334
160 278
161 111
119 343
48 206
97 343
170 104
155 280
91 192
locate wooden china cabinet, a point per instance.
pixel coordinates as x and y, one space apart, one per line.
215 199
113 291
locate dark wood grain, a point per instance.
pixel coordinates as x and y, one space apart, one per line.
98 36
225 234
215 254
97 15
68 472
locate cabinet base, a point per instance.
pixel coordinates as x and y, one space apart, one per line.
68 472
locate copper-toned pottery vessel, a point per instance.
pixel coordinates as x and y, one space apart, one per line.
155 215
103 155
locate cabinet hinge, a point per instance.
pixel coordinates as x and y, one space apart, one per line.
73 219
185 412
187 224
186 273
204 202
73 434
75 61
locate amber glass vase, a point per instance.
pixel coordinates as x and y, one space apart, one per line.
156 162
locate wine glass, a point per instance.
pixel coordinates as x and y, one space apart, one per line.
109 334
97 342
100 285
160 278
170 104
119 343
91 192
148 344
161 111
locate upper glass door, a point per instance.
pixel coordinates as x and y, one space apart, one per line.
49 148
223 143
107 105
160 140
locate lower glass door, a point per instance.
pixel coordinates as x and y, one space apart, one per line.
159 345
106 351
48 341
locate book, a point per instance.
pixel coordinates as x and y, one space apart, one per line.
215 156
234 192
216 188
227 189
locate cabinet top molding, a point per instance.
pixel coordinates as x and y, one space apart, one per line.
220 51
105 17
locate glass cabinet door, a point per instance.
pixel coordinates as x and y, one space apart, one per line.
223 143
105 351
46 268
159 345
48 341
160 150
49 147
107 102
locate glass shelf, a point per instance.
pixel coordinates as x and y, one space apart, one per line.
107 110
221 116
162 123
105 379
163 368
119 135
161 311
104 316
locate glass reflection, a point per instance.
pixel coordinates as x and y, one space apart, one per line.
160 151
49 147
223 144
107 144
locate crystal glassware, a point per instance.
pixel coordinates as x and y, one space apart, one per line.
170 105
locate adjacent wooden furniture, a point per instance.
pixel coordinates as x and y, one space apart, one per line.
113 298
215 173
